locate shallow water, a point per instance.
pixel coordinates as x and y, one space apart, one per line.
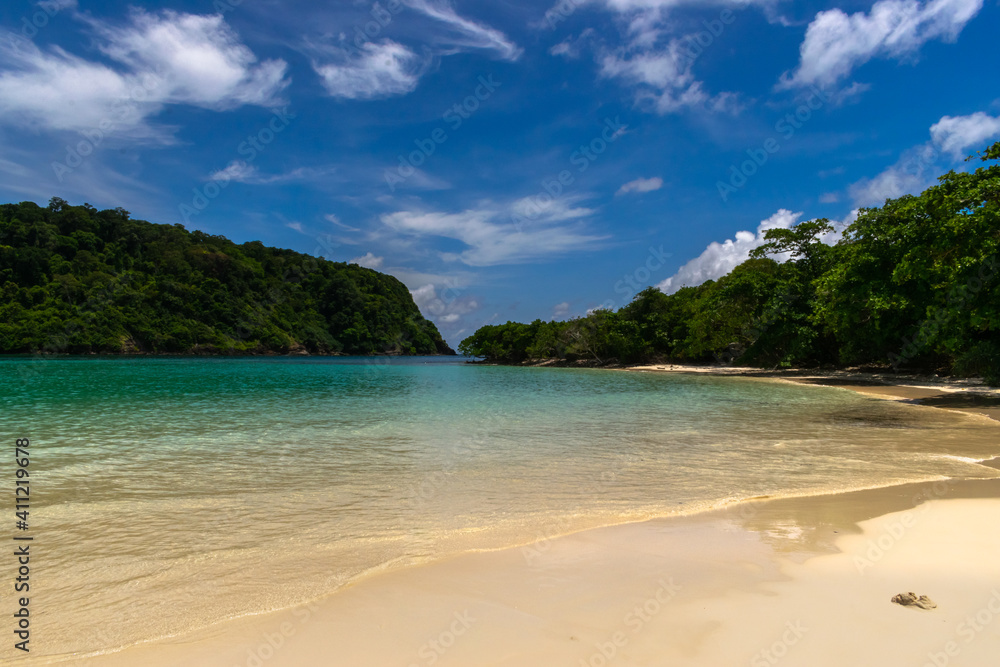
172 493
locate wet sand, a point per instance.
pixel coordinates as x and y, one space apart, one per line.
795 581
806 581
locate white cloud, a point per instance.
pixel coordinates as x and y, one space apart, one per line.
659 67
238 171
663 78
829 198
165 58
836 43
957 134
918 167
718 259
199 58
641 185
379 70
330 217
368 260
466 33
297 226
447 305
493 236
913 172
560 310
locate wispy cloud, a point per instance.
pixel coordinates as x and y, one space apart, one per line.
239 171
653 58
465 33
491 238
913 172
330 217
641 185
952 138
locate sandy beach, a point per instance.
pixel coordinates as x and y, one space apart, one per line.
797 581
791 581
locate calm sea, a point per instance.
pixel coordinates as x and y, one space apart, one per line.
172 493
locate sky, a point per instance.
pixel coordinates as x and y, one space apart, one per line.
506 160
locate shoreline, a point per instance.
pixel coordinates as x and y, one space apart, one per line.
954 394
558 601
783 532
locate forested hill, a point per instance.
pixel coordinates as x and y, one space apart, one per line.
913 285
77 280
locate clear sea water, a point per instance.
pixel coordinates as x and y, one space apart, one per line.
172 493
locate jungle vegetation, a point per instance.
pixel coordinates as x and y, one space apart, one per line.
913 285
77 280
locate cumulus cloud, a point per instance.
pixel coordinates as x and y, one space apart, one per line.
641 185
163 58
498 235
378 70
836 43
560 310
718 259
957 135
368 260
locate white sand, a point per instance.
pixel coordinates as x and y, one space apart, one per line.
758 585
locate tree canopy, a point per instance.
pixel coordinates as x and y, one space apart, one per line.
913 284
77 280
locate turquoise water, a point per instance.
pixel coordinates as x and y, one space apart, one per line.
171 493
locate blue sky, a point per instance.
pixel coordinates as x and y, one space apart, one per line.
506 160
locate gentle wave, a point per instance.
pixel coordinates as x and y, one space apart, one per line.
178 493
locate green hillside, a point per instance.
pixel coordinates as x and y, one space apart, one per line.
77 280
